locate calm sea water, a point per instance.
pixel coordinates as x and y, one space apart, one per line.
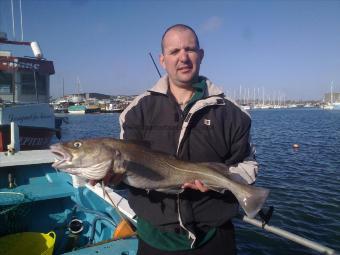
304 183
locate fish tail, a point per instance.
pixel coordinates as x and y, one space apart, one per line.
252 200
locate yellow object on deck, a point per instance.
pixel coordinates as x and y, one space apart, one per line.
123 230
28 243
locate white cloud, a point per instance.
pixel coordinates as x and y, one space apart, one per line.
212 24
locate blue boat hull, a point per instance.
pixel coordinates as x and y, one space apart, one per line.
51 203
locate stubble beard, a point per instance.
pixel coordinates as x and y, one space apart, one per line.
184 82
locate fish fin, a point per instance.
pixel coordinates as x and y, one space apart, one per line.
119 164
147 145
252 199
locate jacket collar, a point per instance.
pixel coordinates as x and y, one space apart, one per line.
162 87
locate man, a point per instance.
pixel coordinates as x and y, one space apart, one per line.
185 115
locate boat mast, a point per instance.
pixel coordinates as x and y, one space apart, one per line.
63 89
262 96
254 102
78 86
240 97
21 23
13 21
331 92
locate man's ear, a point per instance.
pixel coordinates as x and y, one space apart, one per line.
161 60
201 53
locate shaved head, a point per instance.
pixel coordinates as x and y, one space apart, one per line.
181 56
179 27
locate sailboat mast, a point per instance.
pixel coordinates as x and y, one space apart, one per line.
254 97
63 88
78 86
262 95
332 93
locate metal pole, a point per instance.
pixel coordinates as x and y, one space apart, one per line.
13 85
290 236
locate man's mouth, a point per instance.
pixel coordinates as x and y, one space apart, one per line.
185 69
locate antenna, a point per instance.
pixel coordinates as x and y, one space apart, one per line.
155 65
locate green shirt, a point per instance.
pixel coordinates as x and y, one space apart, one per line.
199 93
168 241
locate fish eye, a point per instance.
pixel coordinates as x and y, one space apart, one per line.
77 144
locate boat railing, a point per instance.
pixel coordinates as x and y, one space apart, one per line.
290 236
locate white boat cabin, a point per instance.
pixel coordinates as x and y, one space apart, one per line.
24 80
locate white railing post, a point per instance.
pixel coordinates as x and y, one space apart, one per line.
14 146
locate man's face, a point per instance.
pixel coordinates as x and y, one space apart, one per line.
181 57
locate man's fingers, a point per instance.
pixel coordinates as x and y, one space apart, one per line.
189 186
197 185
201 186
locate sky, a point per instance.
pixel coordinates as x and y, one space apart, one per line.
288 49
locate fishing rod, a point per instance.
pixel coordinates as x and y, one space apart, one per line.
153 61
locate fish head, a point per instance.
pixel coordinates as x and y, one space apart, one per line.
90 159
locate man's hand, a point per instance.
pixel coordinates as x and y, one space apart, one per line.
197 185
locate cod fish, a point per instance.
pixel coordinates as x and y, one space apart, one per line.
143 168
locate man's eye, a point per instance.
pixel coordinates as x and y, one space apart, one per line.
173 52
191 50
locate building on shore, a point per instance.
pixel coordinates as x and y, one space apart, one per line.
91 101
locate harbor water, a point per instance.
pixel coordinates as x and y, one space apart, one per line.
304 182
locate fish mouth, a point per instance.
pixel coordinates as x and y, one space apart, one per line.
62 159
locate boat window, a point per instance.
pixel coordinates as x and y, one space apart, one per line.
28 84
5 83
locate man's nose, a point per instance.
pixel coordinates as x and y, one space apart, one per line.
183 55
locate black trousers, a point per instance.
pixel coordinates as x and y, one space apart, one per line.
223 243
